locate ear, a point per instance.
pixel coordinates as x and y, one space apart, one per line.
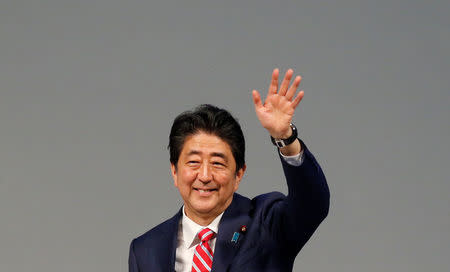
173 171
239 175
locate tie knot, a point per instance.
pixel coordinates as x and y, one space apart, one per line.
205 235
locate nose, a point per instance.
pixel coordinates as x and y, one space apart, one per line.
205 174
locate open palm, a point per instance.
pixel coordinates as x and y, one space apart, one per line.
276 113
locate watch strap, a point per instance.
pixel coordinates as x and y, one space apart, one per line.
284 142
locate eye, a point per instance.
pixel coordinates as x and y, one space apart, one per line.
193 162
218 164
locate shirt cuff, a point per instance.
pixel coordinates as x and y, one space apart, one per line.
295 160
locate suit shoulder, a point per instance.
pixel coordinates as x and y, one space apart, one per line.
268 198
155 231
158 233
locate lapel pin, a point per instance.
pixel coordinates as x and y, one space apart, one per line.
235 237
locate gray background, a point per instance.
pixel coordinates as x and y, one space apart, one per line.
89 88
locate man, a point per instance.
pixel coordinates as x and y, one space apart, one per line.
218 229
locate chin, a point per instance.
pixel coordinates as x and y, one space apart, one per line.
204 207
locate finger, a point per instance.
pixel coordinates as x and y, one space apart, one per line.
274 84
257 99
298 98
285 84
291 92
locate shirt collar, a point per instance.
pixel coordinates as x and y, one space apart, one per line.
190 229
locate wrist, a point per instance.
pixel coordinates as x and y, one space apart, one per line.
284 135
292 149
281 134
287 138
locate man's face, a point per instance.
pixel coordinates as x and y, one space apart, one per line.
206 175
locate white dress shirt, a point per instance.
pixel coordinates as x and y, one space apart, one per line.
187 239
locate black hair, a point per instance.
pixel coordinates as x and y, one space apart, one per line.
212 120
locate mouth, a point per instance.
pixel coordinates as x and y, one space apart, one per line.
205 192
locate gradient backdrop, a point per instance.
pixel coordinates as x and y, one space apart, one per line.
89 88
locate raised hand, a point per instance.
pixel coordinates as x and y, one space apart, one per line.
276 113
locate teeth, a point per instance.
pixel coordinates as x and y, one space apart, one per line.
204 190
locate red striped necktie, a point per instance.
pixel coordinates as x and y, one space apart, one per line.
203 254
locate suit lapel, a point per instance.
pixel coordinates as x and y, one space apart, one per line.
166 254
235 216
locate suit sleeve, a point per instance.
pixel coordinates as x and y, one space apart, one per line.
295 218
132 264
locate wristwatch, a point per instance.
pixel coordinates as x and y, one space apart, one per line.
284 142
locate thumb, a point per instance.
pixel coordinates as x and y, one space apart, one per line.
257 99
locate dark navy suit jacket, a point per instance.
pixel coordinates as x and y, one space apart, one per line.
277 227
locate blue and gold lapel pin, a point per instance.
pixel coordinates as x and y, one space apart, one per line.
235 237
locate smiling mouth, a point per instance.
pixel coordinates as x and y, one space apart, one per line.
205 190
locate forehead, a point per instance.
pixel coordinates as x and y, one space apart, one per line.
206 144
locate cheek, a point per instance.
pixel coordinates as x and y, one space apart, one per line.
187 176
226 180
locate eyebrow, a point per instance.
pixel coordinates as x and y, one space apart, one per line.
213 154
